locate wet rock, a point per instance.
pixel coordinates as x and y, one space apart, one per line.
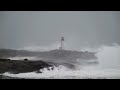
38 71
15 66
26 59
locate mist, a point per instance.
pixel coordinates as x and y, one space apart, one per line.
108 68
43 29
92 31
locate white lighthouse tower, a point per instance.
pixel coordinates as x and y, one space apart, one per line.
62 44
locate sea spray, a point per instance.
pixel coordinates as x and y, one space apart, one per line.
108 68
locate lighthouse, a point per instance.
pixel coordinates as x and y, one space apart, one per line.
61 44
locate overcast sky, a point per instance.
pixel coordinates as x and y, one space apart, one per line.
20 29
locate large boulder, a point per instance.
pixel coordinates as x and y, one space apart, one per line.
15 66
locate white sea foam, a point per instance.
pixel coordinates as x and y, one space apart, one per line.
22 58
63 73
108 67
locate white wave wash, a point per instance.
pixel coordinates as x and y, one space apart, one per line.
109 67
63 73
22 58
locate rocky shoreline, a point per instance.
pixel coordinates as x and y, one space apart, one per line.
15 66
48 59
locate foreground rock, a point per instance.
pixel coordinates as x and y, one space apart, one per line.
49 58
14 66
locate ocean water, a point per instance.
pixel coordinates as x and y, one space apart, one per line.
64 73
108 68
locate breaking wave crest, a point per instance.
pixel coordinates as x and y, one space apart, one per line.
108 67
62 72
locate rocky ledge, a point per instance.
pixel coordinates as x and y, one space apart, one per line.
14 66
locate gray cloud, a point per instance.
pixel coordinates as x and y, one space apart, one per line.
80 28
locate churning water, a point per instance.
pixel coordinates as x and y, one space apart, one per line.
108 68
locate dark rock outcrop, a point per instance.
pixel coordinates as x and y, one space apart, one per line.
56 57
14 66
26 59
